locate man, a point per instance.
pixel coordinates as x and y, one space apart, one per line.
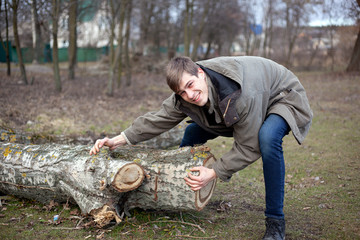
254 100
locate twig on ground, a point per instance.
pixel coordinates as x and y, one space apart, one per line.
68 228
189 236
172 221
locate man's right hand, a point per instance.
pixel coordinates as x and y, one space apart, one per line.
112 143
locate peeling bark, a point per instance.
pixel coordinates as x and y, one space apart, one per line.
105 185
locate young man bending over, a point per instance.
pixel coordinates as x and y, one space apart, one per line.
251 99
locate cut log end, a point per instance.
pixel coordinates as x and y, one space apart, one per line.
128 178
202 197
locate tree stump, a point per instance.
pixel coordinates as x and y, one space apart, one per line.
105 185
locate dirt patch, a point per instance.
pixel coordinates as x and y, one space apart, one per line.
82 106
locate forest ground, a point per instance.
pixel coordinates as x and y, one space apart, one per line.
322 193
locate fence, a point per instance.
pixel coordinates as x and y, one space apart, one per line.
82 54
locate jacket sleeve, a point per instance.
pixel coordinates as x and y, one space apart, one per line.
245 149
153 124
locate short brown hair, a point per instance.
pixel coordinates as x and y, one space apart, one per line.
175 69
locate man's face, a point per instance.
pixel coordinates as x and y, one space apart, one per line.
194 89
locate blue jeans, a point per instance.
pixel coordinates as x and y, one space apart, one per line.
271 134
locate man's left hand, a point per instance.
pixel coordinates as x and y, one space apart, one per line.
200 181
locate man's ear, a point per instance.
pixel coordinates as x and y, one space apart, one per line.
200 70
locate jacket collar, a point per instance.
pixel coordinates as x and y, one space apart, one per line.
229 67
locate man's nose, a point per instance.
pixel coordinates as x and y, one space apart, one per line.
189 94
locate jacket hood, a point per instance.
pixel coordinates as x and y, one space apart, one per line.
230 67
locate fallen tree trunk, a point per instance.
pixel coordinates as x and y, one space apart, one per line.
105 185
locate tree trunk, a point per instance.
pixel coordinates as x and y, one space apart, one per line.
14 6
200 31
313 53
188 26
208 49
127 39
119 49
354 64
72 38
110 83
147 12
118 56
7 43
107 184
36 32
56 11
112 31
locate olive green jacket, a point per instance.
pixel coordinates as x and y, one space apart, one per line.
265 88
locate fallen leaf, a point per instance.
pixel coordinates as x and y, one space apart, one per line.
51 205
75 212
325 206
30 224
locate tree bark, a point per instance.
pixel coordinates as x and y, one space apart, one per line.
354 64
127 40
200 30
108 184
72 38
118 54
55 51
188 26
120 47
147 12
36 32
14 5
6 44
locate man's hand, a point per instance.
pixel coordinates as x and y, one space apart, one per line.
204 177
112 143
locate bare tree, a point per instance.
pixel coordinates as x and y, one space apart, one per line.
36 31
354 64
292 18
72 23
55 52
200 29
160 24
223 26
117 63
110 85
173 28
146 13
120 47
296 17
14 5
6 44
188 23
270 15
313 52
127 38
112 20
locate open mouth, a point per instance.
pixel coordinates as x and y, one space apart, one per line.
196 98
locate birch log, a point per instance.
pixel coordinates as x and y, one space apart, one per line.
107 184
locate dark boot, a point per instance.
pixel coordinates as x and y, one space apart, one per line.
275 229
